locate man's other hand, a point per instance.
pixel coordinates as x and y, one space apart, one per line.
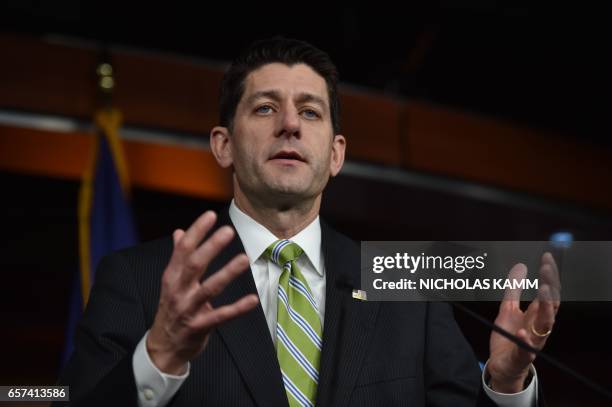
508 363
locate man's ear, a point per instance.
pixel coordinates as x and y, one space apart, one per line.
337 154
221 146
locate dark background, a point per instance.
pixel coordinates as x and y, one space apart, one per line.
544 66
541 63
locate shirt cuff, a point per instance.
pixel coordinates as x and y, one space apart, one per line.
155 388
527 397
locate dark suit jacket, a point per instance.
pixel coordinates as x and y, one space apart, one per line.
374 354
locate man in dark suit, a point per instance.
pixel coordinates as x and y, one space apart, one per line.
179 322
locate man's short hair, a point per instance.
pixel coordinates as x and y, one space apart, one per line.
283 50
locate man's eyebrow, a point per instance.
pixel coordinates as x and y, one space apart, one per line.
270 94
309 97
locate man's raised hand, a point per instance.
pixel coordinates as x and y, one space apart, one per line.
185 316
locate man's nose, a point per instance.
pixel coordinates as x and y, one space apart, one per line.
289 123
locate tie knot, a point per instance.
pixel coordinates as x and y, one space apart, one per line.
283 251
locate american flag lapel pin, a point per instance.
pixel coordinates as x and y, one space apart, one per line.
360 295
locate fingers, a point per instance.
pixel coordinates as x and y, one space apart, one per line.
217 316
540 319
216 283
549 278
177 235
544 318
512 296
184 243
190 258
523 356
197 261
196 232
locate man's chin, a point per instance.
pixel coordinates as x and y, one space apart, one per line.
287 182
288 194
288 191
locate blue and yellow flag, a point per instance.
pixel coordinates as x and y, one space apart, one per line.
105 217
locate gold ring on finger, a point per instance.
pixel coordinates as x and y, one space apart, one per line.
539 334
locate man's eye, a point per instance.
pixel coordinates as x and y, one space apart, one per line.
264 109
310 114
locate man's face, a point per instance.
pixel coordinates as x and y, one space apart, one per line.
282 146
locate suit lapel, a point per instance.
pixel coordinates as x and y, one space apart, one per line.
349 323
247 337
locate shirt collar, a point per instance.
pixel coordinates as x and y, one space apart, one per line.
256 238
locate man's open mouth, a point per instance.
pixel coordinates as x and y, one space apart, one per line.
288 155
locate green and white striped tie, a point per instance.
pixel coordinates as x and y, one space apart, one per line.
298 327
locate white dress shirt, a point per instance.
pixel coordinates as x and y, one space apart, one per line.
155 388
256 239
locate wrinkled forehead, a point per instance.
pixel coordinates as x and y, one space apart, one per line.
288 81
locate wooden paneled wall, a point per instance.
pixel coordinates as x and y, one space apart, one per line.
179 94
